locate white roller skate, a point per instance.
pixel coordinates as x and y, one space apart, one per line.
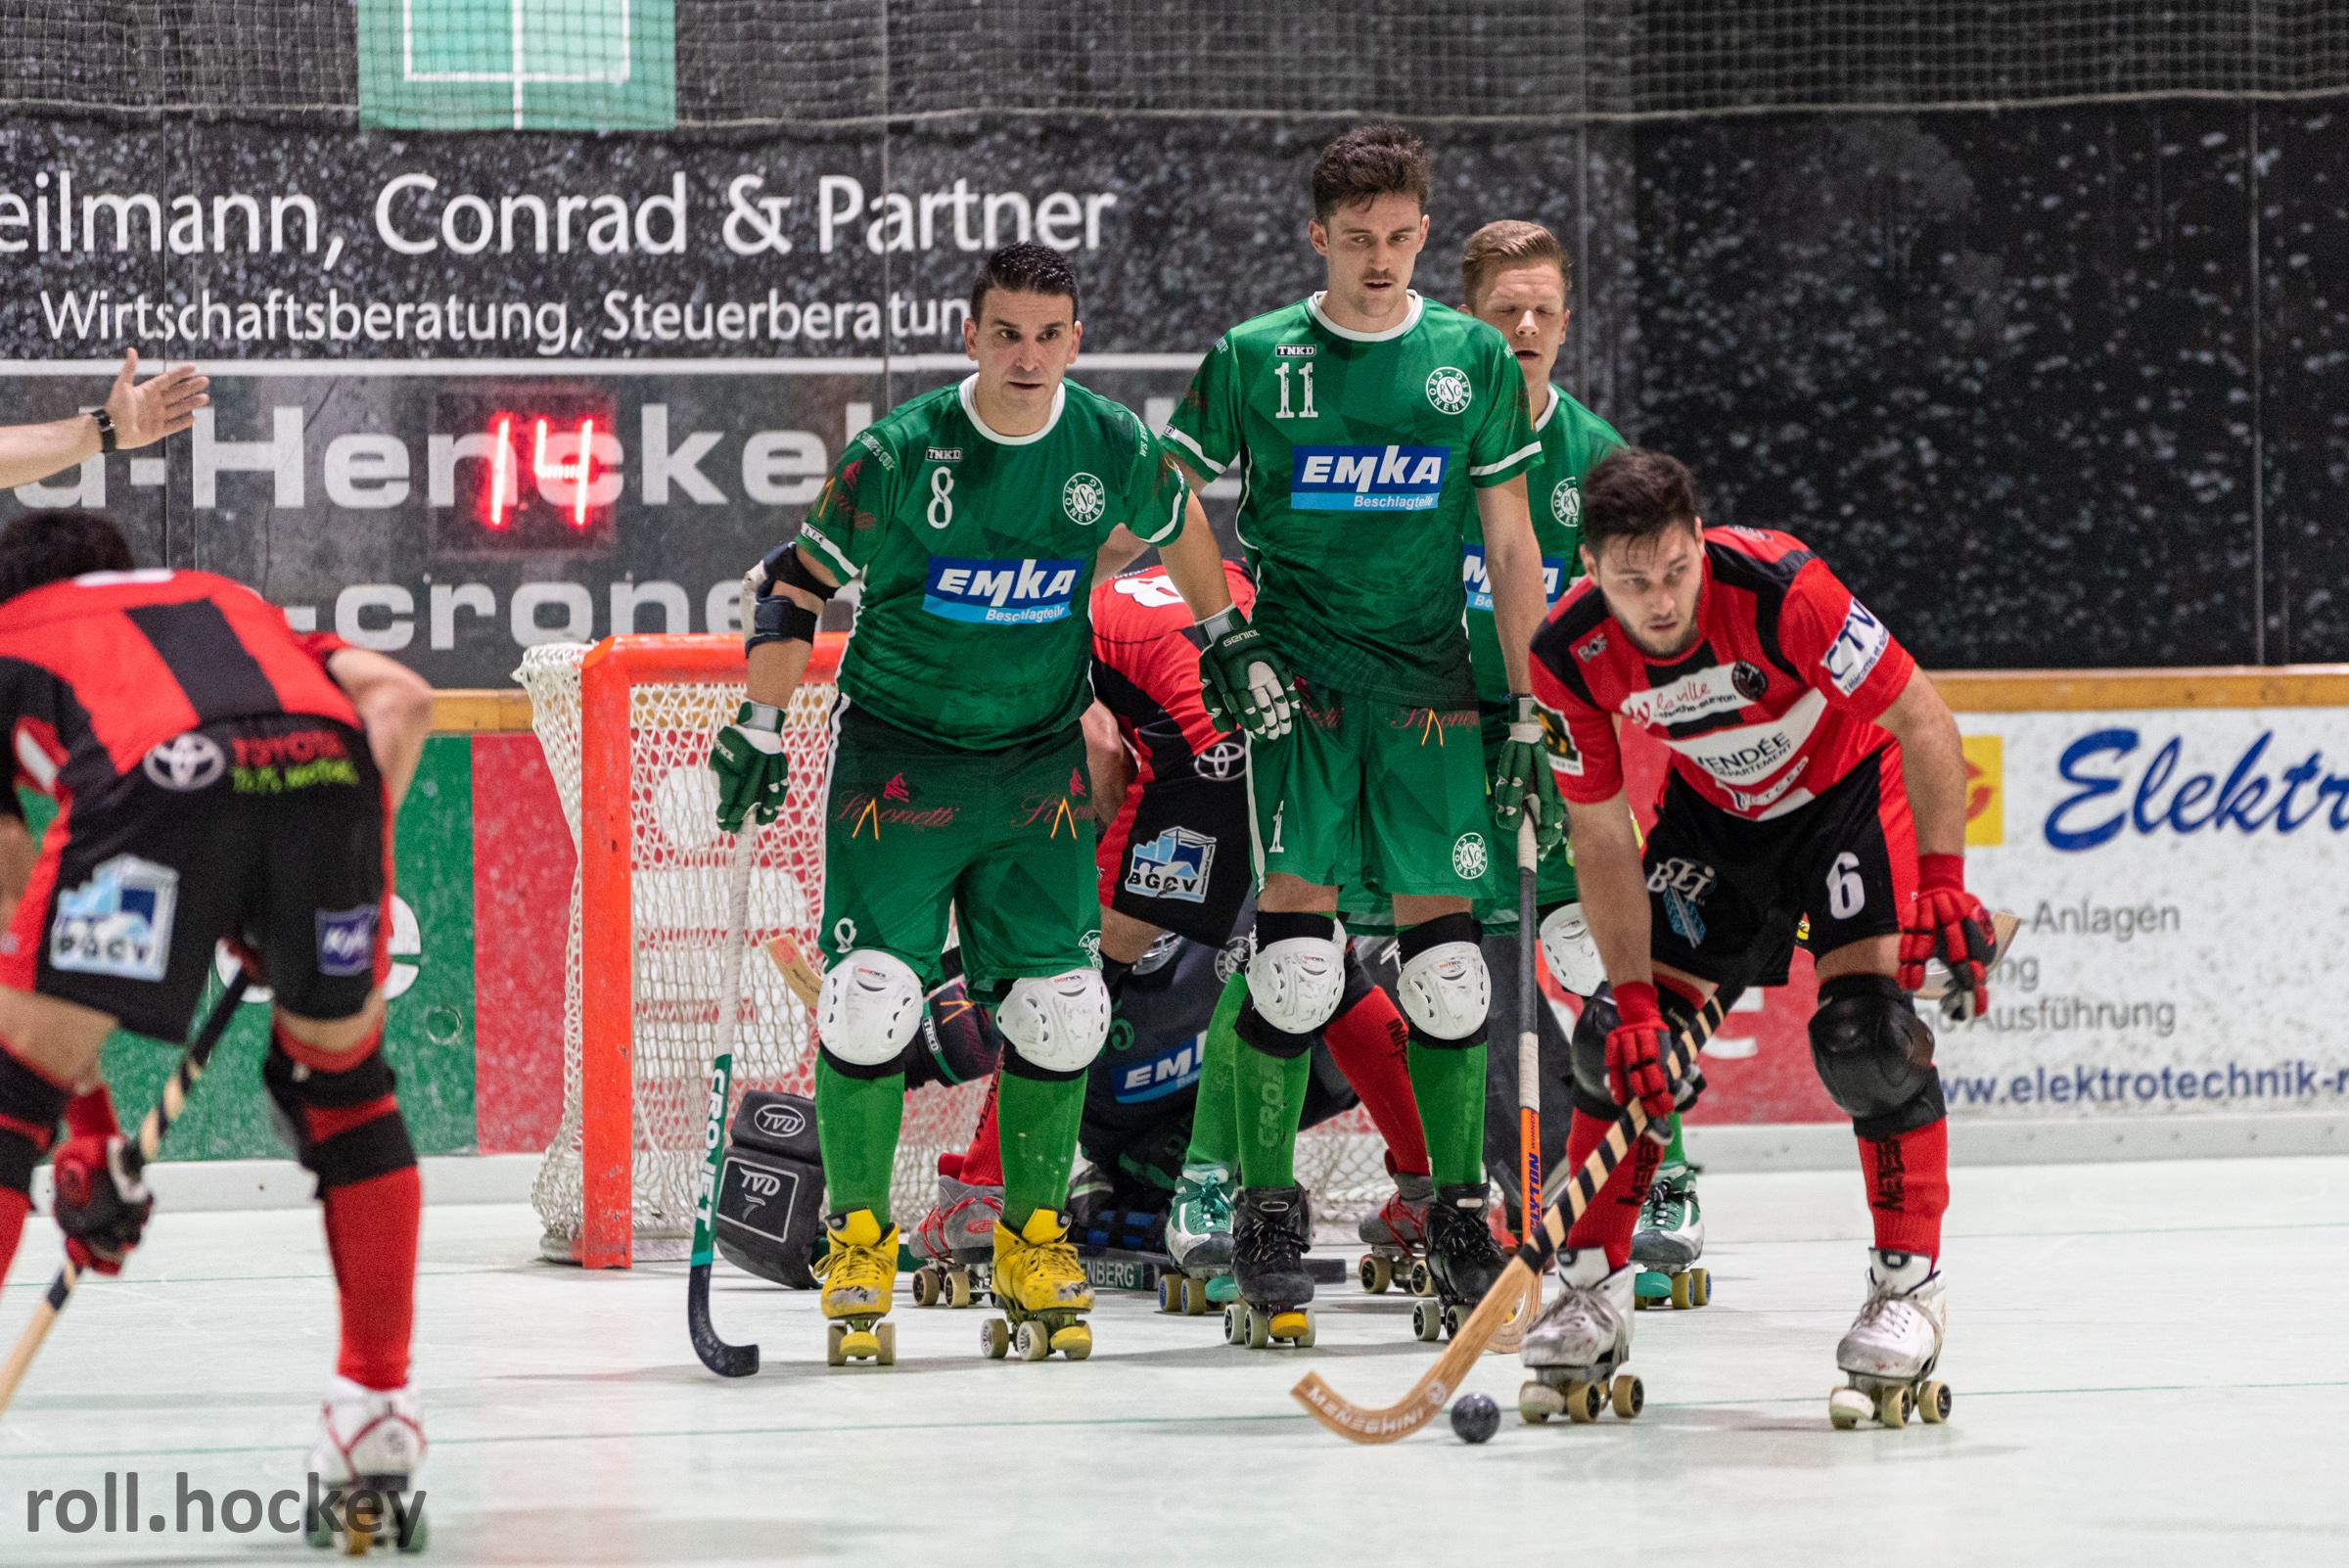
957 1241
1669 1241
1578 1347
1892 1346
1396 1237
363 1469
1199 1243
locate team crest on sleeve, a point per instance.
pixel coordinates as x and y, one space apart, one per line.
1566 502
1857 647
1449 391
1083 498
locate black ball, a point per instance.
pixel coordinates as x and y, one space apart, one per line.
1475 1418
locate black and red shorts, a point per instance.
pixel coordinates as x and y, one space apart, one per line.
267 829
1721 889
1178 856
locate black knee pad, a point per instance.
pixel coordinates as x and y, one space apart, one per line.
1588 1052
958 1042
1263 1034
27 1097
771 1194
1875 1056
375 1147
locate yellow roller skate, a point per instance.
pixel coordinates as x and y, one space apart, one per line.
859 1276
1042 1291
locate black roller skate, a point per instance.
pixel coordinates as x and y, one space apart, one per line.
1271 1230
1462 1260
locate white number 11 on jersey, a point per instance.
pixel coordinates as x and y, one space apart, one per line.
1305 375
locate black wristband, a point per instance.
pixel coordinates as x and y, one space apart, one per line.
105 429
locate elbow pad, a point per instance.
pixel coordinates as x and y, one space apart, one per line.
783 565
775 619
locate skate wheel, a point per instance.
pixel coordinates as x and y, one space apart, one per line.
1076 1342
1584 1402
1933 1402
1451 1322
925 1288
1029 1341
1172 1297
1376 1273
1427 1322
1847 1407
1683 1294
1422 1282
1893 1405
1195 1302
1627 1394
1235 1323
1303 1338
1259 1327
958 1288
835 1342
1538 1402
994 1339
1701 1287
885 1344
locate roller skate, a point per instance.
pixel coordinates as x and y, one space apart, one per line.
1271 1232
1042 1291
957 1239
1396 1237
858 1276
369 1446
1578 1347
1670 1239
1199 1243
1462 1260
1892 1346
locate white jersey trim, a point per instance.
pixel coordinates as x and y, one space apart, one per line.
1409 320
1557 400
1191 446
969 392
1529 449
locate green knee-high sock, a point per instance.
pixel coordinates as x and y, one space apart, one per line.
1450 1083
857 1124
1674 1152
1037 1119
1215 1118
1269 1101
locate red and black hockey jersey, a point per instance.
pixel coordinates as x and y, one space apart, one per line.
1146 673
97 672
1775 702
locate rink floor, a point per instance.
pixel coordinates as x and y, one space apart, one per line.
2150 1365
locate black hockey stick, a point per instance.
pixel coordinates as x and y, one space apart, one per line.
1511 1336
722 1357
1436 1386
135 1159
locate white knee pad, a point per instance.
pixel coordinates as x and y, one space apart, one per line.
1296 981
1573 956
869 1008
1056 1023
1446 990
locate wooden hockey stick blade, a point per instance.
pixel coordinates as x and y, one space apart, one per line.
1436 1386
797 972
2003 924
141 1153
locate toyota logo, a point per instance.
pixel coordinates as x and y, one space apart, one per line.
1221 761
186 763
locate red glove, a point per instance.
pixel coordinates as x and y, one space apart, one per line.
100 1205
1635 1048
1948 923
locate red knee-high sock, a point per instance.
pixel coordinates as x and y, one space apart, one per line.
30 1106
983 1161
1368 1043
1909 1186
1614 1214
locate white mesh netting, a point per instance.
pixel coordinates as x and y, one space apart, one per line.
679 862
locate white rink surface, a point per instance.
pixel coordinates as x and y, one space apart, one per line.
2151 1363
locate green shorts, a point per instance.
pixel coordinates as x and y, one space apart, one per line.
1553 884
1374 798
1004 838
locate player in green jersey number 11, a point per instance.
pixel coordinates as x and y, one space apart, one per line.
1373 427
976 517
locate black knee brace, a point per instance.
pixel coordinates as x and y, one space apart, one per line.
1589 1047
348 1155
1875 1056
31 1102
957 1043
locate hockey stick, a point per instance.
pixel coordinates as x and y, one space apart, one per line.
135 1159
1511 1337
726 1360
793 965
1435 1388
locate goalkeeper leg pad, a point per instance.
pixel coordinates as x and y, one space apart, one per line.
771 1197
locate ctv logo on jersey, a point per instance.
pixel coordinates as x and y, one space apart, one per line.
1366 478
1856 648
1000 593
1173 865
1473 578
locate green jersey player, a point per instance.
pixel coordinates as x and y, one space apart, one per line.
1372 429
975 516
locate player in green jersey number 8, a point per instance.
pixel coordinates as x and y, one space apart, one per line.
1374 425
976 517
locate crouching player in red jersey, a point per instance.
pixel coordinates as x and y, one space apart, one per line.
216 777
1803 738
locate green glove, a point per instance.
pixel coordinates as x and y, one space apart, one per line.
1241 677
1521 775
752 771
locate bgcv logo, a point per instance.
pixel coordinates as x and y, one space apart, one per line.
1003 593
1366 478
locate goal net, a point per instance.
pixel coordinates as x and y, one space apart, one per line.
625 726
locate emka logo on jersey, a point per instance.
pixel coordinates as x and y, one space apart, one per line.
1366 478
1173 865
346 941
1000 593
1473 578
1856 649
119 922
1165 1071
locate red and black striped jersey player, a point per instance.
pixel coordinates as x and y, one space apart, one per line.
216 777
1815 772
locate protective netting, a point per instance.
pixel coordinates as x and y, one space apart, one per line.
677 864
661 65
